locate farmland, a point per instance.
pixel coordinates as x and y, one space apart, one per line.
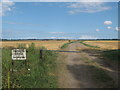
51 45
56 68
54 44
104 44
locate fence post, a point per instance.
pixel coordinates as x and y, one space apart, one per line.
69 41
12 66
41 53
8 77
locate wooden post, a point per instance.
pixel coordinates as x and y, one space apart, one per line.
25 64
12 65
41 53
69 41
9 77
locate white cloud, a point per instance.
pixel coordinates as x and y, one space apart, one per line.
87 37
87 7
30 38
56 32
66 0
61 37
97 30
22 23
107 22
109 27
5 5
117 28
65 37
53 37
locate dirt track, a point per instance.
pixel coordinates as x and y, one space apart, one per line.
75 72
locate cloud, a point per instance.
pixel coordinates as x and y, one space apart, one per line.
56 32
61 37
68 0
109 27
87 7
117 28
87 37
97 30
29 38
5 5
65 37
21 23
107 22
53 37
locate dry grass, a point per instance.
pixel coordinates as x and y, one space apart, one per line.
51 45
104 44
54 45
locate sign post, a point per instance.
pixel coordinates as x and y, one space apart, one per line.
41 53
18 54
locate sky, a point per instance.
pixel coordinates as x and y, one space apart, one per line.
59 20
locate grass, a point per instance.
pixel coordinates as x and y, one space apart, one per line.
112 55
82 42
66 44
99 74
41 73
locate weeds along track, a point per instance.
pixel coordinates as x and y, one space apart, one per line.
39 73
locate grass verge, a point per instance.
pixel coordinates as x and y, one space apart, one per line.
99 75
66 45
112 55
41 73
82 42
102 77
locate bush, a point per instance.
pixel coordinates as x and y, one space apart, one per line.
31 47
22 46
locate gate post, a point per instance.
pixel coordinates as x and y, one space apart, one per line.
41 53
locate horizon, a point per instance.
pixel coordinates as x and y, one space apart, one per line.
59 39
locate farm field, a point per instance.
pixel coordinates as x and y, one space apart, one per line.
51 45
104 44
54 45
44 73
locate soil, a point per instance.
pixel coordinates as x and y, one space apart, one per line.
74 72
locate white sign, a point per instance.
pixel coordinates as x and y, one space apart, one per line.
19 54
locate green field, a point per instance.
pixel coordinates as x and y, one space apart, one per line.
37 74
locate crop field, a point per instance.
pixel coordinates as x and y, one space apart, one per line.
55 45
104 44
51 45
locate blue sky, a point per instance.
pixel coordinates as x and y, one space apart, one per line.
55 20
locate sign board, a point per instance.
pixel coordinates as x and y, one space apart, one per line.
19 54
